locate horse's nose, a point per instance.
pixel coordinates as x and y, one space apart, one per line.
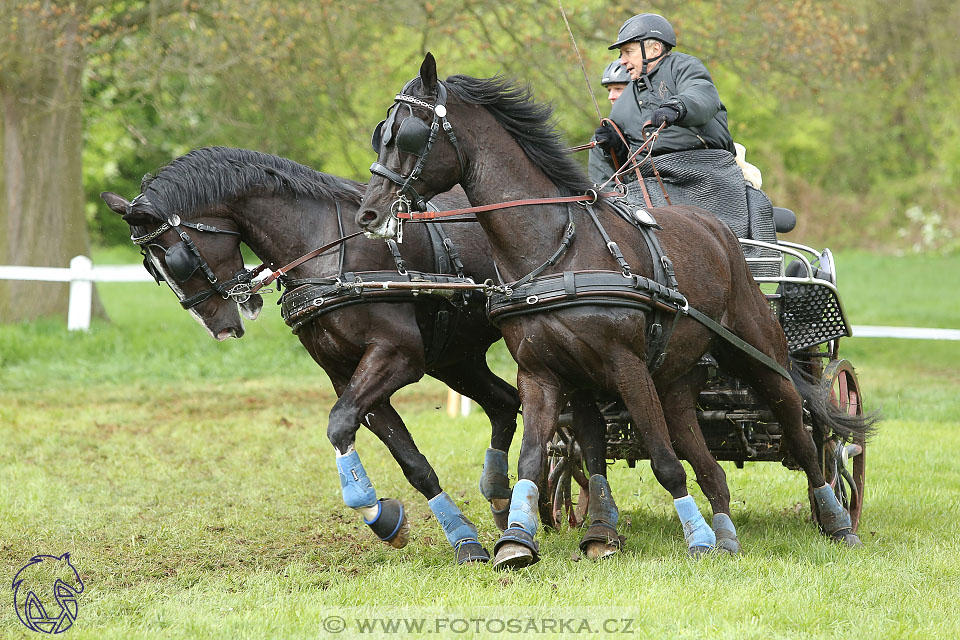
367 217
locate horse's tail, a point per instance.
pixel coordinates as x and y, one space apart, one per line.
827 417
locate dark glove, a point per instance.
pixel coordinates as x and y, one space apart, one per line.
608 140
666 114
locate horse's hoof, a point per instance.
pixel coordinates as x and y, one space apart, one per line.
698 551
515 549
500 515
470 551
512 555
597 550
601 540
391 523
727 543
846 537
400 540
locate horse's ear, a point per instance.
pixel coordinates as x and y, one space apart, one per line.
428 73
117 204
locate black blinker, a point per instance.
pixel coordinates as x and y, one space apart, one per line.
413 135
376 140
181 262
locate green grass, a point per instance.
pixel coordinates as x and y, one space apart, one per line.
194 487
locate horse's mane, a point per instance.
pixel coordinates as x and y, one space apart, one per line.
211 175
531 124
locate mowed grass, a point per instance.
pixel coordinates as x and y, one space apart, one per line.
194 487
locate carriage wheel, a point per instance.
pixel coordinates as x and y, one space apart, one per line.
565 502
844 463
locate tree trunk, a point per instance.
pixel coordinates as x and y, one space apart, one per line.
42 220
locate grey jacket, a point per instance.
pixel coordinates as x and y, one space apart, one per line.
678 80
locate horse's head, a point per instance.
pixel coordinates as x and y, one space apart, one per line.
419 155
200 262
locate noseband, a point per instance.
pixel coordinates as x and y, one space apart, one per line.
413 138
183 259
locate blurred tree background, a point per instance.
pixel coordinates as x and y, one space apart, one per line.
847 107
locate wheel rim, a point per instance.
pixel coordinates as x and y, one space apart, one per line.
844 464
565 466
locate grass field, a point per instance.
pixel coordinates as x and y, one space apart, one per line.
193 485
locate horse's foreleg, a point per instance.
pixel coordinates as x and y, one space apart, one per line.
473 378
679 410
387 424
638 393
367 390
541 409
601 538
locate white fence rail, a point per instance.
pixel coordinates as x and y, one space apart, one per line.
82 274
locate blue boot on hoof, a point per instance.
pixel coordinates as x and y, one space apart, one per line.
495 486
601 538
726 534
390 523
460 532
697 533
516 548
834 520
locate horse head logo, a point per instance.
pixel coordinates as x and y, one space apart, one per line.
47 581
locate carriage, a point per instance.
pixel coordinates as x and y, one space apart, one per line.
800 284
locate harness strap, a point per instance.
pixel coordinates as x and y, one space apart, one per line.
430 215
565 243
397 258
737 342
612 246
296 263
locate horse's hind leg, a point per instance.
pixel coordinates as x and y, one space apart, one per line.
638 393
760 330
679 409
473 378
590 428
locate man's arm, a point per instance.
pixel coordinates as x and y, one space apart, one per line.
696 95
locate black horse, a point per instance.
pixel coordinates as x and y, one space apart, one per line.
190 220
502 147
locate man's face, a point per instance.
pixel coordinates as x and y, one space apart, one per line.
631 56
614 90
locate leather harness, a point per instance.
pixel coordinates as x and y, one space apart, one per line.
306 299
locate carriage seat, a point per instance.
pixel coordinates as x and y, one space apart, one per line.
784 220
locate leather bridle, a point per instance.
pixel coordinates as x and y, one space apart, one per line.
413 137
237 287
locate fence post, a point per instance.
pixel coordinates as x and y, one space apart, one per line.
81 293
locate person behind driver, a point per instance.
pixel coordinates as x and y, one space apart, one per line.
614 79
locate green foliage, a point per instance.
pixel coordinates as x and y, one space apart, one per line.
847 101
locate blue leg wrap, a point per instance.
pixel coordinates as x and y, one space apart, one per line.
494 482
523 506
695 529
833 517
602 507
723 521
358 492
455 525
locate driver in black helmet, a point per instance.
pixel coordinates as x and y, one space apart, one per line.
668 87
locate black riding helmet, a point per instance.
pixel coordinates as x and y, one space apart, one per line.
615 73
645 26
